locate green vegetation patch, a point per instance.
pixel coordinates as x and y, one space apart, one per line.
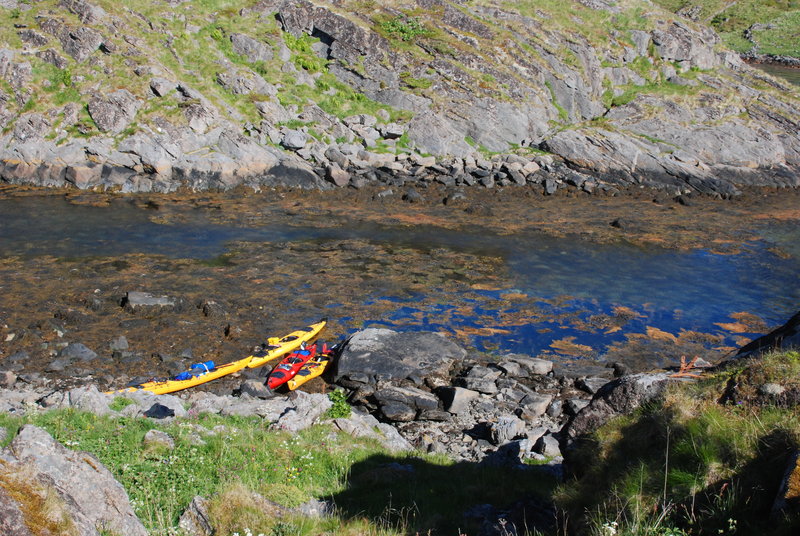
778 22
692 463
404 28
238 462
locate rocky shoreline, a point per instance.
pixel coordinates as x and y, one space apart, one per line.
409 392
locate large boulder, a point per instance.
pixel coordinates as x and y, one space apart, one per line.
618 397
87 492
389 355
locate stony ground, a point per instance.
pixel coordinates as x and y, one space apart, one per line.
225 306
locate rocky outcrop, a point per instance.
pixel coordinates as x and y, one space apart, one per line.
87 495
618 397
376 353
659 105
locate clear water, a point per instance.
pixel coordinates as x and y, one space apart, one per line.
669 290
791 74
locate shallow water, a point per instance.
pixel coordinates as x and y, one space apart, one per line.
559 296
791 74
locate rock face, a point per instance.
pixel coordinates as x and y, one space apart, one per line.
386 354
90 495
114 112
659 105
617 397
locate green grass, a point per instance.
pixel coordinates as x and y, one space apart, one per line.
692 463
404 28
653 88
228 459
340 408
562 112
731 19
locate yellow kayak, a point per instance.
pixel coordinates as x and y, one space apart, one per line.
278 347
313 368
197 375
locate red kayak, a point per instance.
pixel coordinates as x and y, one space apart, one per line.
290 365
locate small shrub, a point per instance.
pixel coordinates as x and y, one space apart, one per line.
340 408
120 402
405 28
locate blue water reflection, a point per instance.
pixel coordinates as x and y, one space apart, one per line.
563 285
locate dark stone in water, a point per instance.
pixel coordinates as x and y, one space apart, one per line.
77 350
413 196
22 355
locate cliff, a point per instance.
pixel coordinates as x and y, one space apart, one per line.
155 96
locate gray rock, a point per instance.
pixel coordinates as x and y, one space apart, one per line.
253 49
114 112
555 409
53 58
336 175
398 412
513 369
507 429
88 398
591 385
481 379
574 405
536 404
32 37
547 445
256 389
457 400
31 127
93 497
482 385
365 425
119 343
161 87
433 134
306 409
80 43
144 301
620 396
413 196
392 131
397 356
158 439
315 508
771 389
195 520
294 139
434 415
87 13
76 350
415 398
